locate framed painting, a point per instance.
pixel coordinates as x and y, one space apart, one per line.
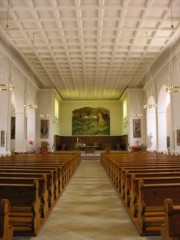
13 125
91 121
178 137
137 128
2 138
44 128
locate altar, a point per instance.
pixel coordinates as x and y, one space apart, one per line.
89 149
136 148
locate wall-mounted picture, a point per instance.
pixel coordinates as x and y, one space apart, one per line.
137 128
44 128
2 138
13 129
178 137
91 121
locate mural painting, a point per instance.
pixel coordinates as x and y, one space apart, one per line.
91 121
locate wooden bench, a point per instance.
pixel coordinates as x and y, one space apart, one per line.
151 214
127 171
127 184
68 162
24 213
147 213
38 180
170 229
42 190
161 177
50 180
6 230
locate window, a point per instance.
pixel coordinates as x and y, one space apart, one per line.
56 108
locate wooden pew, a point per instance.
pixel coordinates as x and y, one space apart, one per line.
126 172
24 213
151 214
18 172
120 168
6 230
66 162
170 229
42 190
127 182
63 164
52 180
148 178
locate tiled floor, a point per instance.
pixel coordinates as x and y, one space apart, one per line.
89 209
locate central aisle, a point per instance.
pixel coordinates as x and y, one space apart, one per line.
89 209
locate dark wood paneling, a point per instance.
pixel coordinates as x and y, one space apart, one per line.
69 142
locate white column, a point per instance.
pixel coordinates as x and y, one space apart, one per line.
151 131
5 123
162 132
20 142
31 130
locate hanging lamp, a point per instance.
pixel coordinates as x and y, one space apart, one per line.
138 112
28 92
6 79
173 61
149 81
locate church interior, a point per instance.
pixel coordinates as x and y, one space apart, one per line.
89 119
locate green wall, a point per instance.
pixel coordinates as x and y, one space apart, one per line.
67 107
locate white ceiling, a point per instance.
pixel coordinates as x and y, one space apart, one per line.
90 49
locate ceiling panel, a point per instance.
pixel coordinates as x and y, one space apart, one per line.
89 49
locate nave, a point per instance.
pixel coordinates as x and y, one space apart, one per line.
89 209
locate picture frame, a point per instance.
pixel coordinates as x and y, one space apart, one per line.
137 128
178 137
13 127
2 138
89 121
44 128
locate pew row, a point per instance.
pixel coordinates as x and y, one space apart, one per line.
131 175
166 177
6 230
151 213
33 183
24 213
170 229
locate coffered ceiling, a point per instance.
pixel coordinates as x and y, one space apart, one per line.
89 49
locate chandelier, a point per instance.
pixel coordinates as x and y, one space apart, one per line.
149 82
6 81
28 93
46 116
30 103
150 105
90 117
173 62
29 106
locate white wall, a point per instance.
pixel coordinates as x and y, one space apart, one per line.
46 105
160 74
